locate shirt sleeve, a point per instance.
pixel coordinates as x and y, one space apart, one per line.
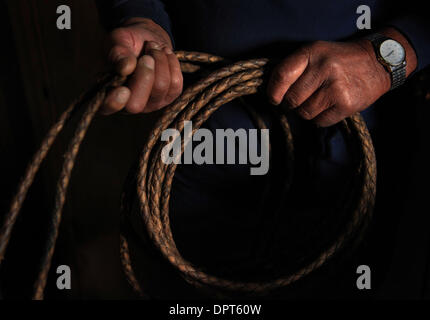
416 28
115 12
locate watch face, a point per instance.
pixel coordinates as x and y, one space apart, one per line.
392 52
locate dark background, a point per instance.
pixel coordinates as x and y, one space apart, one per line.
43 69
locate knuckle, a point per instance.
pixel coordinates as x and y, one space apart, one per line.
176 81
346 101
336 67
305 114
134 107
342 96
291 99
115 51
309 82
147 76
279 76
333 66
327 119
161 85
120 35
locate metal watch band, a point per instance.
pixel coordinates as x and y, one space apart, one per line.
375 37
398 73
398 76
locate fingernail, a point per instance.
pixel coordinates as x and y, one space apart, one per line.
168 50
118 58
274 102
153 46
122 95
148 61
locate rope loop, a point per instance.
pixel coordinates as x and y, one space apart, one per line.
154 178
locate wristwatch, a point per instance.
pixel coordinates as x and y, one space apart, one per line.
392 56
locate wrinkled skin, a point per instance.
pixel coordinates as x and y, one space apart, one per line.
143 49
327 81
324 81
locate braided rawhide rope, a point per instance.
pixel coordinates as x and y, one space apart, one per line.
154 178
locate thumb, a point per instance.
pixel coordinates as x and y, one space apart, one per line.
125 48
123 59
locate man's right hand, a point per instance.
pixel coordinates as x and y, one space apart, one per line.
142 50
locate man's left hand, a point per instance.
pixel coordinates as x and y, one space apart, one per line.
329 81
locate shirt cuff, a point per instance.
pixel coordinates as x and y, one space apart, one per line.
417 31
151 9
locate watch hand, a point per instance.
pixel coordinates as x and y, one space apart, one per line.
390 53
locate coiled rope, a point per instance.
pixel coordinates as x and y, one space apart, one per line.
154 178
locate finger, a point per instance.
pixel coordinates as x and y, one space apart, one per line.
125 50
127 38
310 80
285 74
123 59
141 84
318 102
176 79
115 100
330 117
162 76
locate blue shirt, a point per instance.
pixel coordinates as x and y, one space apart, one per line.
223 206
235 27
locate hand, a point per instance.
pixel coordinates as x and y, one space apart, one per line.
327 82
143 49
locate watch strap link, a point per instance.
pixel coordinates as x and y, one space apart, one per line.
398 77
